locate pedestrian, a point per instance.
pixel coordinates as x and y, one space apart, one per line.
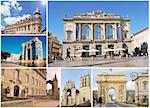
100 101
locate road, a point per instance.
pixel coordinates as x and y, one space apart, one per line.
101 62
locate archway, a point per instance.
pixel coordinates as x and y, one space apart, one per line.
112 95
16 90
113 88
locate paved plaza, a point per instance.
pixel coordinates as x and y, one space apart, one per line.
45 102
115 105
101 62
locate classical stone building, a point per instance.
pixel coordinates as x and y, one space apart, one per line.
112 83
23 82
140 37
54 48
96 31
74 97
32 51
30 25
142 88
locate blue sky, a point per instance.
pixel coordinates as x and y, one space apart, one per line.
73 75
13 44
129 85
137 11
16 10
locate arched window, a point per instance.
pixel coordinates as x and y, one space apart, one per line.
69 33
85 32
145 85
109 32
97 32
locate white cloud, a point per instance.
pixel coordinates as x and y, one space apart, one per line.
6 7
13 20
130 85
15 5
5 10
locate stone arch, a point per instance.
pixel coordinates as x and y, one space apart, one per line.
16 90
112 94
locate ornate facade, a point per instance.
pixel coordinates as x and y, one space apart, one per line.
74 97
54 48
32 51
142 88
115 82
96 30
30 25
23 82
140 37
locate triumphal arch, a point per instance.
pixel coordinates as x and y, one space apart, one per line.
112 87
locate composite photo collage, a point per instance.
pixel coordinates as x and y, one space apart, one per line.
59 53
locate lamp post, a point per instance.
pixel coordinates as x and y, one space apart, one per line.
135 76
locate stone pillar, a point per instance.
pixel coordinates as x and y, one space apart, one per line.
41 52
74 32
103 32
23 46
30 51
91 32
115 31
80 31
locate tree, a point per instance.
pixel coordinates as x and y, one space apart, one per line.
5 55
144 48
137 51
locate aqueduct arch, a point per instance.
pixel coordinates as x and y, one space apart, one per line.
112 81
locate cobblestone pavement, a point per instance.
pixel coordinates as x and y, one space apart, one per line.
101 62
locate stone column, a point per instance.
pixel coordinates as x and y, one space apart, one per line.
23 46
30 52
74 32
80 31
103 32
115 31
91 32
41 52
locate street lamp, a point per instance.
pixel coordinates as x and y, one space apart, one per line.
135 76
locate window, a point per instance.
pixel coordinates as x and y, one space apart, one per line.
39 28
99 48
27 78
17 74
97 32
36 81
28 27
32 91
109 32
85 32
145 85
82 82
2 72
69 33
32 80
